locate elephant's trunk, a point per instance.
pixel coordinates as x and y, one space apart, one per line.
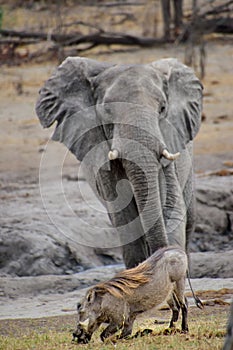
140 145
145 184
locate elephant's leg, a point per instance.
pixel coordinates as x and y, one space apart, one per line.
124 217
134 245
174 209
189 198
184 170
135 252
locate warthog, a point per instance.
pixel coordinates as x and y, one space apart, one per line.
119 300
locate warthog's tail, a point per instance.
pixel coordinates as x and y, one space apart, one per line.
197 300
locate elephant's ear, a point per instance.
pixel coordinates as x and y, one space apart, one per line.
67 98
184 95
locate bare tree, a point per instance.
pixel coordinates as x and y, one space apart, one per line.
59 30
210 16
196 42
178 17
72 37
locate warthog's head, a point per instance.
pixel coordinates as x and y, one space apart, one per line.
89 310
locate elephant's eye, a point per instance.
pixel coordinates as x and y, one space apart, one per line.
162 109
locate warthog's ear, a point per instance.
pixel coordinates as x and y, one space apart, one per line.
91 296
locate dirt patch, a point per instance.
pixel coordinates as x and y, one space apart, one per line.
23 327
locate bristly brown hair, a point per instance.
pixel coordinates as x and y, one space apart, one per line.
126 281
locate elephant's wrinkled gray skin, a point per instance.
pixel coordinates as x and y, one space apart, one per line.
137 111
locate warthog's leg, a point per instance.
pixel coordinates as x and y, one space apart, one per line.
92 327
175 307
184 309
110 330
179 292
128 326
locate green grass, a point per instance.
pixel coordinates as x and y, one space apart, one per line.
207 331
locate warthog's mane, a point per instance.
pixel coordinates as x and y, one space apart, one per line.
126 281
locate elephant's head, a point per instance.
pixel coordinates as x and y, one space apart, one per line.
142 115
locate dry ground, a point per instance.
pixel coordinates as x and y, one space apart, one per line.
207 331
23 140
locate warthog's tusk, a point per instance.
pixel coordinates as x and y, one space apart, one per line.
113 154
85 323
170 156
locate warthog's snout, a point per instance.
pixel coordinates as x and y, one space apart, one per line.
81 335
85 323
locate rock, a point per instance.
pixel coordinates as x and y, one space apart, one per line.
13 287
33 240
31 253
211 264
214 227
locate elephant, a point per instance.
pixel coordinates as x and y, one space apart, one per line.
132 128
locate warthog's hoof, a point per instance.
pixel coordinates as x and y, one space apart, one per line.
143 333
81 335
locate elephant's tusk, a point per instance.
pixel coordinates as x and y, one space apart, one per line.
113 154
170 156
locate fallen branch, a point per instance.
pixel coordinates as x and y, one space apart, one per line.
119 3
76 39
112 38
218 9
18 42
214 25
36 35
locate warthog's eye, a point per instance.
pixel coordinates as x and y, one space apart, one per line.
78 306
91 296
